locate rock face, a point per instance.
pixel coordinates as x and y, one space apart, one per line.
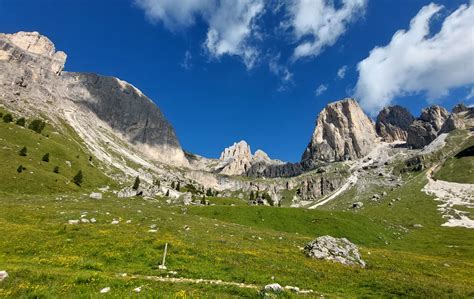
343 132
425 129
32 81
393 123
339 250
238 160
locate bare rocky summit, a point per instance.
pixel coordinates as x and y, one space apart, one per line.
393 123
425 129
343 132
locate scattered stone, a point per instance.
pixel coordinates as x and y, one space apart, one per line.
417 225
115 222
384 193
3 275
153 226
357 205
73 222
340 250
137 290
93 220
128 221
105 290
186 227
95 195
85 220
273 288
292 289
152 230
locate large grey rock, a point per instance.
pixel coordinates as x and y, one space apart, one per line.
3 275
393 122
425 129
339 250
343 132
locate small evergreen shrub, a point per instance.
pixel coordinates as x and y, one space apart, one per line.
7 118
37 125
136 184
23 152
56 169
167 193
45 157
178 186
21 121
19 169
77 179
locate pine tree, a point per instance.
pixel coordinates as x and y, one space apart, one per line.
172 185
19 169
56 169
45 157
209 192
37 125
178 186
21 122
77 179
252 196
203 200
7 118
167 193
23 152
136 184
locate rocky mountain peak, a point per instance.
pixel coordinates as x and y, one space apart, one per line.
36 44
238 150
435 115
393 123
425 129
343 131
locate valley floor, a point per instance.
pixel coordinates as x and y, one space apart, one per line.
242 247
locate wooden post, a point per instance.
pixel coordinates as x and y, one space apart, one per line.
163 266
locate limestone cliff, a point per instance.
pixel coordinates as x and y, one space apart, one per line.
393 123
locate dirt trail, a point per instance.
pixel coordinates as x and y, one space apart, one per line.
451 195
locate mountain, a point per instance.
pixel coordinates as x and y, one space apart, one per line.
393 122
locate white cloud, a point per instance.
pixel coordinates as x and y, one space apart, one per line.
281 71
230 27
415 61
231 23
341 73
186 63
320 90
175 14
320 21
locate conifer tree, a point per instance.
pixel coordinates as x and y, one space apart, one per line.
45 157
23 152
56 169
21 122
19 169
77 179
136 184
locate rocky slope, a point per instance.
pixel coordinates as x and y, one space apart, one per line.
343 132
425 129
32 80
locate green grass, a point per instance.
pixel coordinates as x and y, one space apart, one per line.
62 144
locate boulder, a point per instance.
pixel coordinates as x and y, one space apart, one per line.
3 275
393 122
343 132
339 250
95 195
273 288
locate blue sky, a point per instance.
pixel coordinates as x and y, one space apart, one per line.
268 84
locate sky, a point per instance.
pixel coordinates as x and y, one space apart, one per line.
261 71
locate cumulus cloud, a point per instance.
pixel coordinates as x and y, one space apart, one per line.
230 27
320 90
416 61
341 73
318 24
231 24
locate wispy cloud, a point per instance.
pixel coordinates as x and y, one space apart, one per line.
341 72
187 63
320 90
417 61
281 71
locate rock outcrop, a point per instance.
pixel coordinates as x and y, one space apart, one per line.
393 123
425 129
339 250
343 132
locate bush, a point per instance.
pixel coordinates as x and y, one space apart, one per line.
209 192
77 179
21 122
56 169
23 152
178 186
136 184
45 157
7 118
167 193
1 114
19 169
37 125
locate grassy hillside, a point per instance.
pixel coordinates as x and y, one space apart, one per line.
458 169
65 150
